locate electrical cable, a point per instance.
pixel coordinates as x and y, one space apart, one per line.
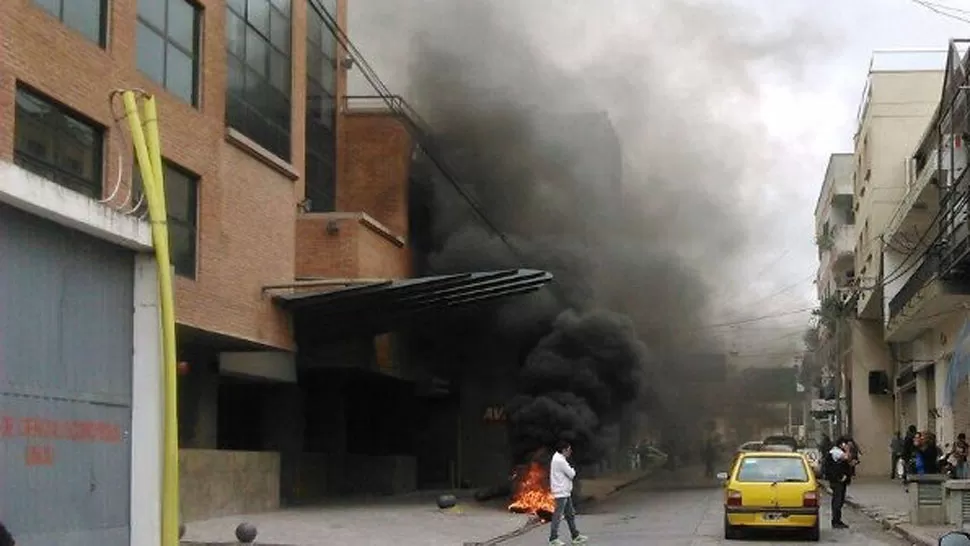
902 268
404 112
940 9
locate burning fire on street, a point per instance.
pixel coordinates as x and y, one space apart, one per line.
531 493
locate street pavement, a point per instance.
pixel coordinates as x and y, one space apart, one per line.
643 514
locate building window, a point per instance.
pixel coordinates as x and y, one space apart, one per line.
182 205
57 143
168 45
85 16
258 89
321 83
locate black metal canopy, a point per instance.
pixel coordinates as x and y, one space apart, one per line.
380 304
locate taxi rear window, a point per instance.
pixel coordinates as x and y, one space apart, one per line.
772 470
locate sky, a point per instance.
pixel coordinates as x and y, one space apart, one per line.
804 100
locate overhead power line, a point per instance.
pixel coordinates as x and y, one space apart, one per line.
957 14
411 121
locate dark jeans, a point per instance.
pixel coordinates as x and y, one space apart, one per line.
564 507
838 500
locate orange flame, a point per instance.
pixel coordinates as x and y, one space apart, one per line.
532 495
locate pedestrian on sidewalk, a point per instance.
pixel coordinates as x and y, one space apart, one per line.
928 454
960 451
839 476
896 453
6 539
909 453
561 476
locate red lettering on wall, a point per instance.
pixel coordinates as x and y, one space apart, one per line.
39 455
53 429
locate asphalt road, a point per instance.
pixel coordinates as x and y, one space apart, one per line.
642 515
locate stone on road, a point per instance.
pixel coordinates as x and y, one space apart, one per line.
641 516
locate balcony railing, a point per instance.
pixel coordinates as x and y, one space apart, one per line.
927 271
954 227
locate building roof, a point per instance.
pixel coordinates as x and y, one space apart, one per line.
378 305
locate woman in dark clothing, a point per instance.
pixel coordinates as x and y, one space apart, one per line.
930 454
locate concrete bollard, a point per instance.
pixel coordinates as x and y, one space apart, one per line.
246 532
447 501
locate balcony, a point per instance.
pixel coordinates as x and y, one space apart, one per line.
920 203
348 246
836 251
924 299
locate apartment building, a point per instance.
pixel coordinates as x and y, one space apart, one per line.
834 279
925 304
295 296
899 98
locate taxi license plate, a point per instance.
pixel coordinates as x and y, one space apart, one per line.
772 516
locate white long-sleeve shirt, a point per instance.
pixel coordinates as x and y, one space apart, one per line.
561 475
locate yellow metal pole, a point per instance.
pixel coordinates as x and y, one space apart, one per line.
148 153
170 469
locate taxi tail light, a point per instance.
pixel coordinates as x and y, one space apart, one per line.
733 498
810 499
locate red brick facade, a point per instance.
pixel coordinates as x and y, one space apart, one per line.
249 232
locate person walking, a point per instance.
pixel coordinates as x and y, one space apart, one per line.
561 476
839 476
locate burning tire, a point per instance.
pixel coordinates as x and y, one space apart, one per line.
531 492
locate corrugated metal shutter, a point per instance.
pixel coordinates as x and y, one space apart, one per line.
66 305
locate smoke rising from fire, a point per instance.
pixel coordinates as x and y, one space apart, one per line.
613 143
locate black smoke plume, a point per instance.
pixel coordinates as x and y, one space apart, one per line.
607 141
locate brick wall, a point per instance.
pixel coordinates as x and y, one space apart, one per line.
247 203
373 177
348 245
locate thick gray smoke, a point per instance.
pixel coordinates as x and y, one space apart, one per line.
614 151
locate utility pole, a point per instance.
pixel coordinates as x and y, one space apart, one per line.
838 374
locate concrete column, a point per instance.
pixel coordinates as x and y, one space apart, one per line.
922 401
944 423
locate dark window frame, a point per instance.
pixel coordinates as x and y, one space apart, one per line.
102 39
321 140
195 54
190 224
93 187
242 114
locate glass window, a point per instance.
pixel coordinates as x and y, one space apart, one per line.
772 470
181 204
56 143
168 45
89 17
320 175
259 93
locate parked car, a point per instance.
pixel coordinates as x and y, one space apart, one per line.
770 491
781 439
750 446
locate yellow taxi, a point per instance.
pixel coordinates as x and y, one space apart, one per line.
770 490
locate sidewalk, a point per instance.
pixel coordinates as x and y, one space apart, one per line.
886 502
393 521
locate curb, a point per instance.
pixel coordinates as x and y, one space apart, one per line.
891 526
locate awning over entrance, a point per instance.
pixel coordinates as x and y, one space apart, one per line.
380 304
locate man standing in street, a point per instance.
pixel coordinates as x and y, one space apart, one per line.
561 476
839 475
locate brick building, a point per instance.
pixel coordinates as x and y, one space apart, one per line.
288 212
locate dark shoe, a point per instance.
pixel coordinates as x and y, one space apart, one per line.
839 525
